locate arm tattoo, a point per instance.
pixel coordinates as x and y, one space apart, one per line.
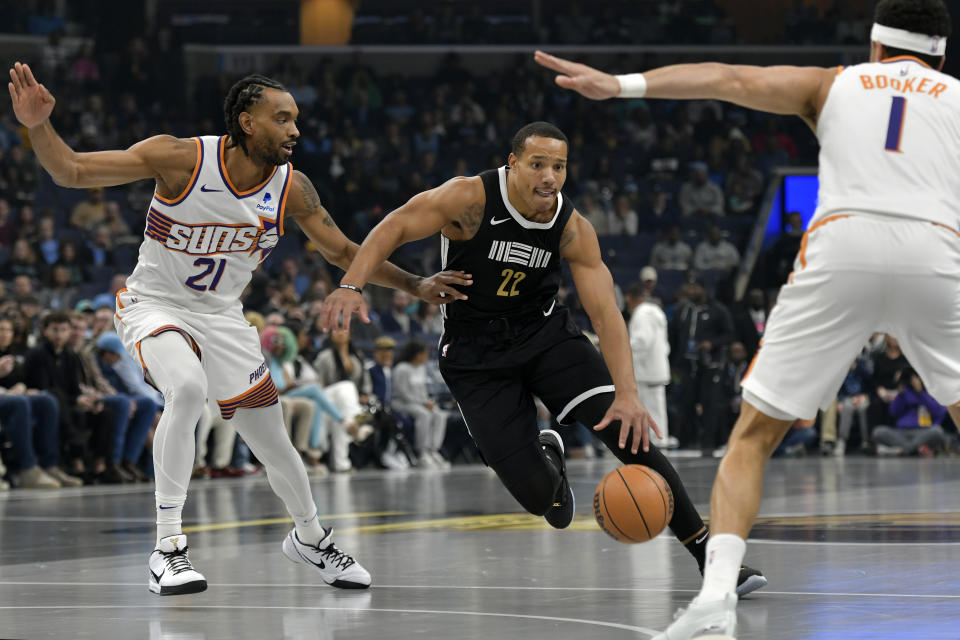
309 198
471 218
567 238
310 201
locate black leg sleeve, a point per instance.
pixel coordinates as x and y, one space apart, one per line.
532 476
686 521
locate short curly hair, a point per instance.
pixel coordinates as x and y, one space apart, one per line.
929 17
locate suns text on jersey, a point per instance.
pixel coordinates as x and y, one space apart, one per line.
208 239
211 238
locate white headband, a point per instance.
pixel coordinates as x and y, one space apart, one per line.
901 39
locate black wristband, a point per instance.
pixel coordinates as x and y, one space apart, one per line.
351 287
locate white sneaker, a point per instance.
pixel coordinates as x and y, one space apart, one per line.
887 450
35 478
840 448
393 460
171 573
64 478
439 460
426 461
715 620
335 567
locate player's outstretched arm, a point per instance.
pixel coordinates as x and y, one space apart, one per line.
580 248
304 206
458 201
164 158
785 90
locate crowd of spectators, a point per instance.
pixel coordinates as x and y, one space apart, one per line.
672 189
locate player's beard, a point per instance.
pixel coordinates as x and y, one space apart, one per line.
268 153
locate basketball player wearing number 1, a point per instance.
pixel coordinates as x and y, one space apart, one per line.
512 340
882 252
217 212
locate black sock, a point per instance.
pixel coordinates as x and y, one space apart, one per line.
698 548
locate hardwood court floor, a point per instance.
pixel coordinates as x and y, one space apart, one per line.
861 548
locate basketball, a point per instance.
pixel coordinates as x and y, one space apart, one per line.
633 503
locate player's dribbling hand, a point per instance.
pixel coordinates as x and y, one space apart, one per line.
585 80
633 416
32 103
339 306
438 288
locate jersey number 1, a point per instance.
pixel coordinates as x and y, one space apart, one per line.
895 126
207 263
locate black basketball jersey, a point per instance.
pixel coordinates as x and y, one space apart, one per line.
515 262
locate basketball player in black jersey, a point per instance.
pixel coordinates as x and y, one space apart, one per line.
510 340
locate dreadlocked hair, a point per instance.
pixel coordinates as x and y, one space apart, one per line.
242 95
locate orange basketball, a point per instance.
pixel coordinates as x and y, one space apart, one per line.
633 503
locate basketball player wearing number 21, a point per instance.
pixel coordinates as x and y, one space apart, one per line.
217 212
882 253
512 340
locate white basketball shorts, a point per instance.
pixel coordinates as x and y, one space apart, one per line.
227 345
856 275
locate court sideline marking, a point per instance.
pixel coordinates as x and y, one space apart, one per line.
258 585
596 623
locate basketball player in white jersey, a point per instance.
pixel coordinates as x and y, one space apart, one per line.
217 212
882 252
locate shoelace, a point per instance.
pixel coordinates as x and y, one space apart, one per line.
177 561
336 557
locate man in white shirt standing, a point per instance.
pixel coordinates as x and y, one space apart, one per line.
651 358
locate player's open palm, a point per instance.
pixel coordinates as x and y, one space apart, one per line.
585 80
32 103
633 416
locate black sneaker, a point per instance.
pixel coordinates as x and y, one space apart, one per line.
561 513
749 581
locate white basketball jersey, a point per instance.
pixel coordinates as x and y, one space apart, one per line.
201 248
890 142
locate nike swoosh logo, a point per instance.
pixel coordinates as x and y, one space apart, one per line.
316 564
157 577
205 190
163 507
702 538
550 310
494 222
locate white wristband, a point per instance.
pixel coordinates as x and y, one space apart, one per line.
632 85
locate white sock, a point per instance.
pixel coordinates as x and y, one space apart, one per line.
309 530
724 557
169 513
